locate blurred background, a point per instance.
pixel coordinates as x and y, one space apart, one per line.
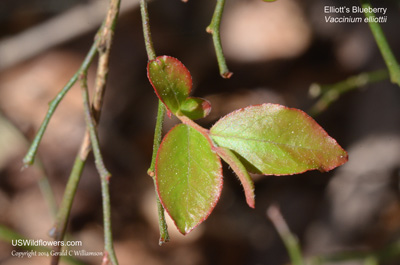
276 51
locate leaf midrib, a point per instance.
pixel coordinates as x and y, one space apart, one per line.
263 141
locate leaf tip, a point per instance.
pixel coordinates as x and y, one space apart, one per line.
340 160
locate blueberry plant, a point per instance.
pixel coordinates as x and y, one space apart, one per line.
266 139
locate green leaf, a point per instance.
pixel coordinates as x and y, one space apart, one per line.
233 161
195 108
275 140
188 177
171 81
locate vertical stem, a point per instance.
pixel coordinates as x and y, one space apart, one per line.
151 54
106 38
91 126
104 176
102 44
60 226
387 54
157 137
213 29
164 236
108 241
62 216
59 229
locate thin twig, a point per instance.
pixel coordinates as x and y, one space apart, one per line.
330 93
59 229
102 44
151 54
157 137
30 156
387 54
290 241
213 29
104 176
164 236
90 123
105 38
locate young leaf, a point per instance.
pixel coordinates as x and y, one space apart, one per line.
188 177
231 159
195 108
275 140
171 80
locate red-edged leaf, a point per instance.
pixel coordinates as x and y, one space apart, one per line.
188 177
171 80
248 185
195 108
275 140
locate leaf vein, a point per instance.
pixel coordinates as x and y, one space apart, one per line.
244 139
